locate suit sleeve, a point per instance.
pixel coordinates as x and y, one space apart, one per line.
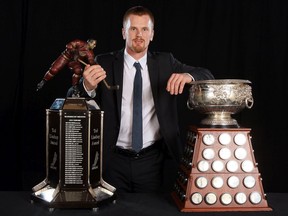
198 73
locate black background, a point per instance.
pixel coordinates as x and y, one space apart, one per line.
239 39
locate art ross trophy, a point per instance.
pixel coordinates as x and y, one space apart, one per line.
218 170
74 139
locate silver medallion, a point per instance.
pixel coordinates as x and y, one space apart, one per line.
224 138
240 198
232 166
226 198
203 166
196 198
255 197
217 182
208 153
249 181
217 166
201 182
247 166
210 198
224 153
208 139
240 153
240 139
233 181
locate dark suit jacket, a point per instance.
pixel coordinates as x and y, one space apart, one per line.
161 66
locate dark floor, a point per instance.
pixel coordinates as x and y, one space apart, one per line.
15 203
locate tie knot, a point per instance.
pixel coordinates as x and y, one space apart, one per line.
137 66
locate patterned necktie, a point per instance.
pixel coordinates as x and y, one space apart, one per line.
137 136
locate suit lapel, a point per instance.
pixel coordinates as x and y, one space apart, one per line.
154 75
118 74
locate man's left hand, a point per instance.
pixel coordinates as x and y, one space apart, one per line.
176 83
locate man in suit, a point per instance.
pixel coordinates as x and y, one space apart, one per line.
163 78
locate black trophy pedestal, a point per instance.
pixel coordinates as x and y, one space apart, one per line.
74 128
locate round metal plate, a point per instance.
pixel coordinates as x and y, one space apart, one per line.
240 198
249 181
240 139
201 182
217 166
225 138
211 198
240 153
255 197
208 139
196 198
247 166
226 199
224 153
217 182
233 181
232 166
208 153
203 166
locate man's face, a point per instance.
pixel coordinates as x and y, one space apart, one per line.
138 32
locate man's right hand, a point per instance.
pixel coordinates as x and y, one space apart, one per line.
93 74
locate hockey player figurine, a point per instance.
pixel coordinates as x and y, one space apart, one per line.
76 49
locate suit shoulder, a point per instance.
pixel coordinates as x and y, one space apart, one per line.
158 54
161 57
109 55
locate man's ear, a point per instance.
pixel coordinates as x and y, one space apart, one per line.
152 35
123 34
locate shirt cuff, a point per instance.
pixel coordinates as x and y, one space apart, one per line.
191 78
91 93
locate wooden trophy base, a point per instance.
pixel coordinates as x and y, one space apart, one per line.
218 172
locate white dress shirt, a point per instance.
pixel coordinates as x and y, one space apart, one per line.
151 128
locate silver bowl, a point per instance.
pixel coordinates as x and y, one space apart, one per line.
219 99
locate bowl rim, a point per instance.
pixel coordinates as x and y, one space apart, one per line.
221 81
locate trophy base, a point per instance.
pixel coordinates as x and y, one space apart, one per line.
206 181
74 128
220 120
74 198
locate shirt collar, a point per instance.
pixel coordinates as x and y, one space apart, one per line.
130 60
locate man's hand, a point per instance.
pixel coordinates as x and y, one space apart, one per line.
176 83
92 76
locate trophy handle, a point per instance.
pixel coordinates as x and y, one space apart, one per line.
249 102
188 105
